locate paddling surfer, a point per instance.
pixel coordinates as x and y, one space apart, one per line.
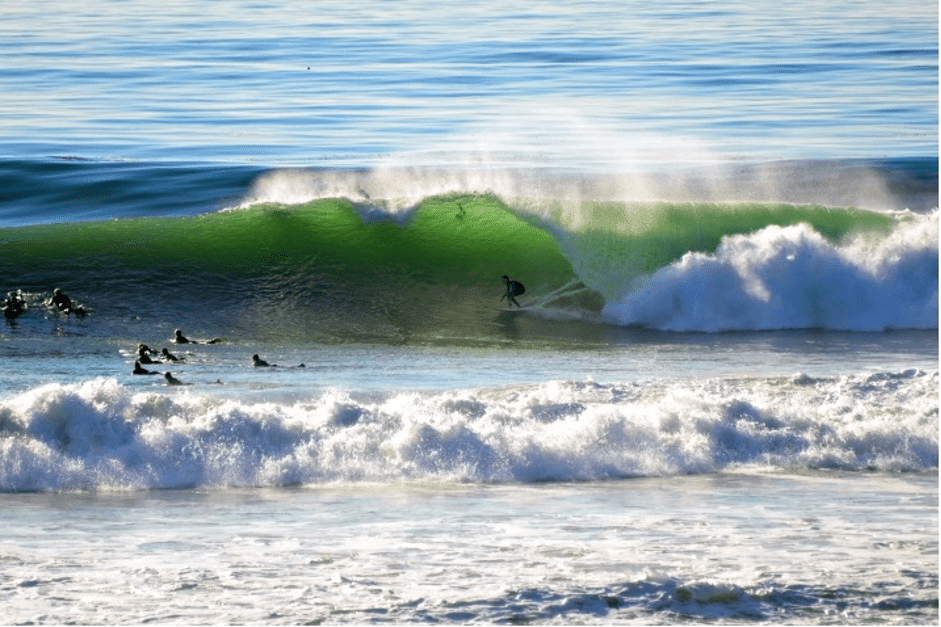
143 354
258 362
170 356
179 338
138 369
171 380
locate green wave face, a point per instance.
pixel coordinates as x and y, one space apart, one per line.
311 268
331 266
610 244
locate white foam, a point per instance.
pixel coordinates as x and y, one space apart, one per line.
101 435
793 277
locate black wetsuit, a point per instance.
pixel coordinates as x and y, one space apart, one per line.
62 302
513 288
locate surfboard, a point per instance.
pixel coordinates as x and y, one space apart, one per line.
522 309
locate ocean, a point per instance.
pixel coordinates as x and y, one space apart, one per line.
716 403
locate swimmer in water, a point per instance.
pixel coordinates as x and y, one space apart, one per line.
170 356
513 288
138 369
171 380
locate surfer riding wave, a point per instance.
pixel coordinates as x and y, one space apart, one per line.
513 288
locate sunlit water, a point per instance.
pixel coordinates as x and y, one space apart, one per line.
645 465
577 84
722 548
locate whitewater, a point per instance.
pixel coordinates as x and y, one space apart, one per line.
102 435
718 402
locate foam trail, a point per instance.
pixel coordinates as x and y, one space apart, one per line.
793 277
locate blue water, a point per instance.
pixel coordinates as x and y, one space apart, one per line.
719 405
582 84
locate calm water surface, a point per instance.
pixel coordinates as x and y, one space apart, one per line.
583 84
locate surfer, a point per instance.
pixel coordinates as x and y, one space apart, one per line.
63 303
258 362
138 369
171 380
14 306
60 301
143 353
170 356
513 288
179 338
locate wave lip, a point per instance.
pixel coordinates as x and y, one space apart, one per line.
101 435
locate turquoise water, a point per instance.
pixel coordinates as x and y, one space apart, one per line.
718 405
